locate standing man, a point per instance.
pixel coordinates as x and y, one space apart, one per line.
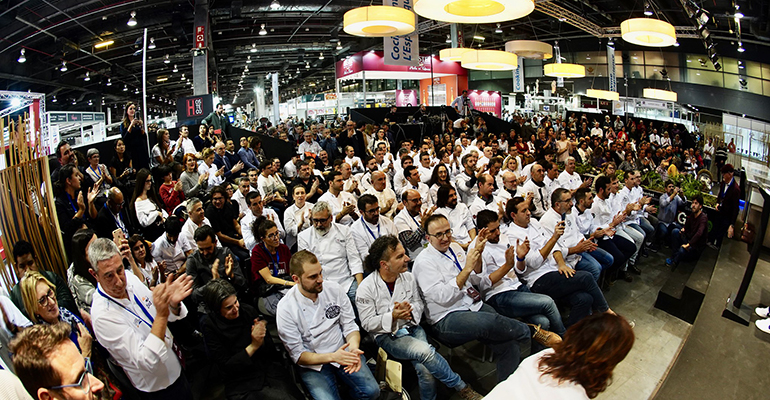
371 226
316 325
727 206
391 310
218 119
462 104
453 307
130 321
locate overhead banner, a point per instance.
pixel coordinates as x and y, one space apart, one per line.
402 50
518 77
611 69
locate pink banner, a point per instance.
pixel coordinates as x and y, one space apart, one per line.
375 61
407 98
486 101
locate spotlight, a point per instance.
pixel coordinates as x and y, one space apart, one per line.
647 9
109 81
74 101
253 48
448 39
738 12
175 70
22 59
740 47
136 91
498 30
307 65
63 66
275 5
248 60
125 88
152 44
90 102
166 60
132 20
88 77
321 56
741 65
53 100
339 46
703 17
262 32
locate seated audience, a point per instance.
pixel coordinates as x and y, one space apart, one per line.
170 248
269 265
147 206
255 210
371 226
224 221
296 218
81 283
342 203
408 222
689 242
171 192
113 216
153 272
209 262
458 215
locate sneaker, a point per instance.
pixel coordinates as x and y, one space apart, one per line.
625 276
544 337
670 262
652 248
763 325
712 245
469 394
634 269
763 312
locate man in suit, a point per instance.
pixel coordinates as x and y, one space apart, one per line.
112 216
727 207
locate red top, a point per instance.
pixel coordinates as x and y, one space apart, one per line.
260 259
171 198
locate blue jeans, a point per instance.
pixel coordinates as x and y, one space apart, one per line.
594 262
428 363
621 250
664 231
580 290
680 253
537 309
323 384
502 334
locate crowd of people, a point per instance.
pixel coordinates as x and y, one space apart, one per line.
468 235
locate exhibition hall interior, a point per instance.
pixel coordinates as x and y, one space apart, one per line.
428 199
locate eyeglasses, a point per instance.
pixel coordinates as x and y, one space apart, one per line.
442 235
50 296
272 236
219 198
321 220
83 382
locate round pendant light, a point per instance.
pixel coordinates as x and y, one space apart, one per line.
648 32
379 21
474 11
530 49
659 94
452 54
564 70
603 94
489 60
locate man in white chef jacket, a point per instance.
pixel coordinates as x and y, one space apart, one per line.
391 309
454 308
316 325
371 226
130 321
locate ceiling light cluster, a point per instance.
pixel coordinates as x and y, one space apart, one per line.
22 59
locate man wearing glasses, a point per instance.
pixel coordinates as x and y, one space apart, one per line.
335 248
112 216
454 308
371 226
50 366
211 262
408 223
256 209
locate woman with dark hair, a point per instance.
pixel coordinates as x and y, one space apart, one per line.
163 151
152 272
242 348
270 265
147 206
81 283
133 135
73 208
580 367
439 177
194 184
121 167
170 190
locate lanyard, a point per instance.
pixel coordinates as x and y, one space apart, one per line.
99 173
453 259
415 221
139 303
370 231
275 260
71 202
118 221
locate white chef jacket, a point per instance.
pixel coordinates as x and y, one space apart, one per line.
425 173
382 198
337 202
399 183
623 198
603 214
189 227
405 222
571 236
436 275
529 382
149 362
466 194
355 160
493 258
424 190
247 230
584 221
480 204
214 180
319 326
460 220
364 233
434 190
336 251
542 198
536 265
174 255
570 181
291 221
375 303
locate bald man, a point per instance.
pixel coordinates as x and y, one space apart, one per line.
385 197
113 216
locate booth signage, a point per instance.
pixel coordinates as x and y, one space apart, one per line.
401 50
57 117
200 37
194 107
486 101
375 61
518 77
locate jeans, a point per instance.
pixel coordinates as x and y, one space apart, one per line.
502 334
428 363
680 253
647 227
580 290
323 384
621 250
352 296
664 231
536 308
633 236
594 262
707 164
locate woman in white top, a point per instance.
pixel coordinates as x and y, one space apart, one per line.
163 151
98 172
296 218
578 368
380 138
216 175
147 206
152 272
562 148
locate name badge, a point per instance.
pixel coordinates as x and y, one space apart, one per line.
473 294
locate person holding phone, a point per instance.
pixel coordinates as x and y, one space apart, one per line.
134 136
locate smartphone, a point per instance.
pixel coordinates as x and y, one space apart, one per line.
563 216
117 235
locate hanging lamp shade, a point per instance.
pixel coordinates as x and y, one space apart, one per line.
659 94
489 60
648 32
564 70
603 94
379 21
453 54
474 11
530 49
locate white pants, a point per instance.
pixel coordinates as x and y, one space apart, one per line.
632 235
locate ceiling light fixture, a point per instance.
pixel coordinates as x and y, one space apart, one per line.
379 21
339 46
489 60
88 77
659 94
53 100
152 44
262 32
321 56
530 49
136 91
22 59
603 94
738 12
125 88
132 20
109 81
166 59
307 65
104 44
175 70
647 9
183 78
248 60
564 70
452 54
63 66
648 32
498 30
740 47
474 11
275 5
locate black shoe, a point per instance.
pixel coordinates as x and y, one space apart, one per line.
653 248
712 245
634 269
625 276
644 253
